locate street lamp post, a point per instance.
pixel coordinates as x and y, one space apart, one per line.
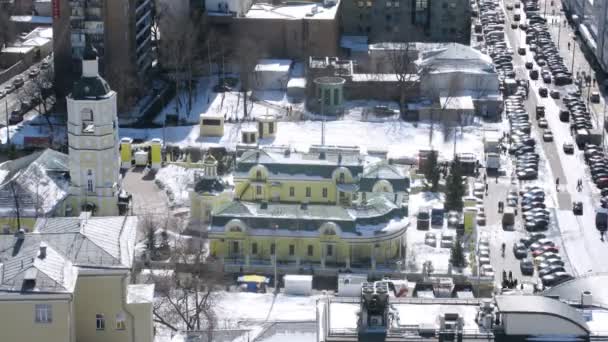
573 53
276 227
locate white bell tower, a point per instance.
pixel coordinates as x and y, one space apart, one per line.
93 142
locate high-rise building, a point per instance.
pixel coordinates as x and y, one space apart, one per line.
93 141
591 21
119 30
408 21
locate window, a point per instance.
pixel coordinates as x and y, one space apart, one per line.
389 4
258 190
120 321
421 5
327 97
258 175
360 4
341 177
272 249
336 96
44 313
310 250
86 114
100 322
324 192
292 191
444 5
271 127
330 250
396 4
360 17
90 182
235 247
369 4
396 28
308 191
368 29
254 248
292 250
388 17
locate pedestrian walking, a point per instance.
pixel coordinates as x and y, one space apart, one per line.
510 276
557 184
485 175
486 188
496 179
568 46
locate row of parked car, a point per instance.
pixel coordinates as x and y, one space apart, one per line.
483 256
545 258
492 22
598 167
545 53
523 145
534 211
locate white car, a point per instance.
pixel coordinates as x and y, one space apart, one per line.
487 270
484 261
483 253
430 239
447 241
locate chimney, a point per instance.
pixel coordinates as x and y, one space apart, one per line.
586 299
42 252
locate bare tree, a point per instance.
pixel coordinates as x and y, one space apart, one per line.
41 90
188 303
179 50
247 56
401 59
17 202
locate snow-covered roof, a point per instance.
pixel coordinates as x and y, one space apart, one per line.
457 102
39 182
33 19
40 32
455 57
70 244
291 11
298 82
140 293
17 49
277 65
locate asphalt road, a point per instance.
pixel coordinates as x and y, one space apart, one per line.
12 101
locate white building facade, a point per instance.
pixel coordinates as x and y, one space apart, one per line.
93 142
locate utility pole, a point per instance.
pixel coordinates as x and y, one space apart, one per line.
276 289
8 133
604 128
573 54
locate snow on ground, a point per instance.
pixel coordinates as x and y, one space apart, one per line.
398 137
229 104
175 180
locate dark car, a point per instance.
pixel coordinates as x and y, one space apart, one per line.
527 267
519 250
543 92
577 208
533 74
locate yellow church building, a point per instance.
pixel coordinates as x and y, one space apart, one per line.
327 209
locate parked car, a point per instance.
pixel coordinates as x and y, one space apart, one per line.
547 136
423 219
519 250
430 239
487 270
568 148
18 82
577 208
453 219
33 73
437 216
595 97
447 240
526 266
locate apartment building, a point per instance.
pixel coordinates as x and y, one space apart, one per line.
408 21
591 19
69 281
119 30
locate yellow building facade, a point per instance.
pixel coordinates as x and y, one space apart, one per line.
68 282
324 209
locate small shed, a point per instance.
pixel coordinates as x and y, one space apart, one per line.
211 125
267 126
296 89
271 74
126 152
298 284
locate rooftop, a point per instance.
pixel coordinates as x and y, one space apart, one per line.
540 305
32 19
463 102
281 65
455 57
70 244
292 11
140 293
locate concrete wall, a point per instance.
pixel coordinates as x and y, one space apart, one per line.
18 321
294 39
12 71
101 295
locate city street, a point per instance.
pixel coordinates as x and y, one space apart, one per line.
581 240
